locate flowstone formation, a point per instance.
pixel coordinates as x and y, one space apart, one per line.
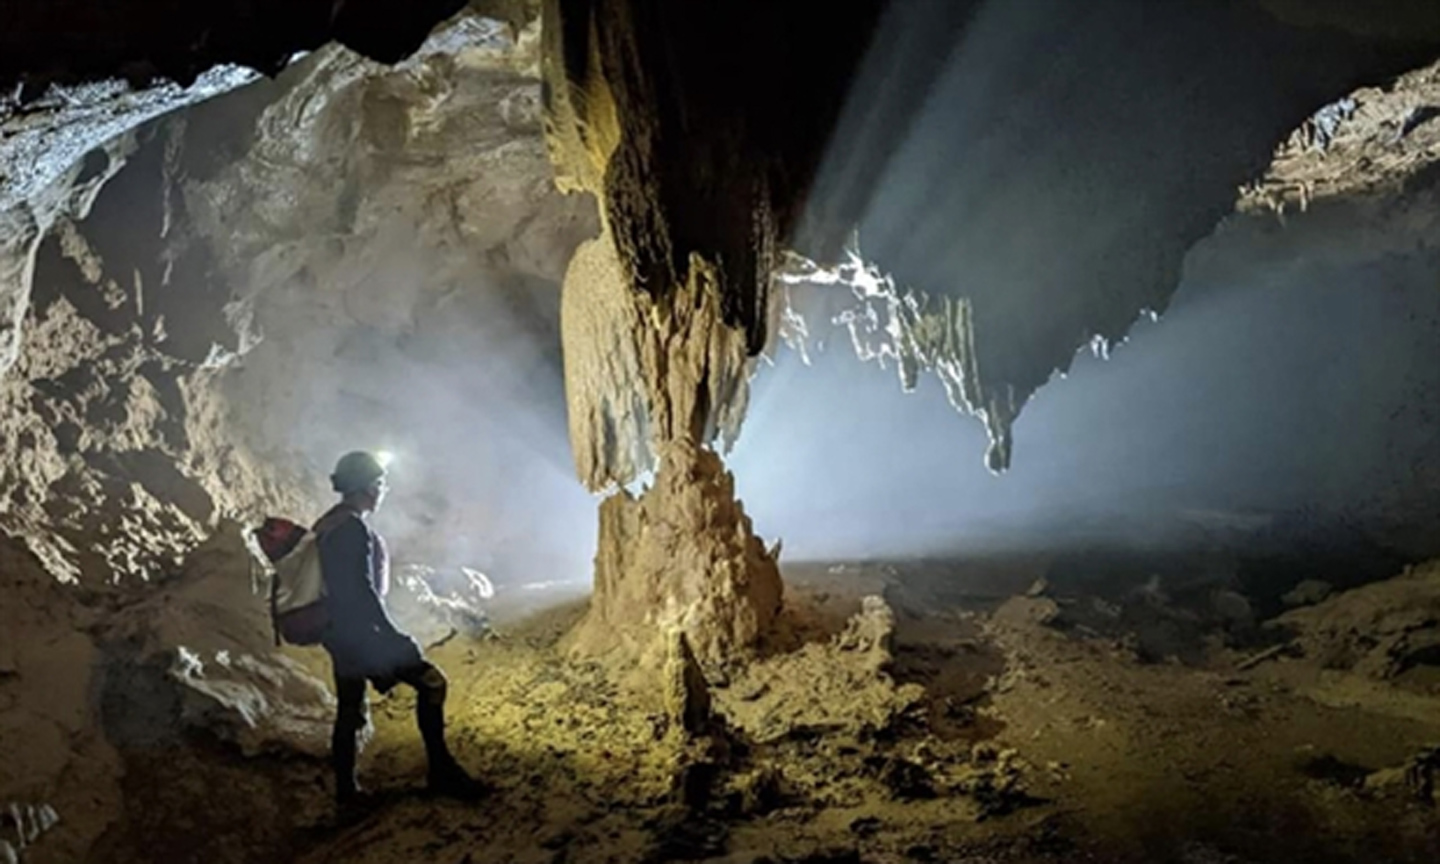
682 554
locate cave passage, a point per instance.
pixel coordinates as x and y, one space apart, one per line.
650 304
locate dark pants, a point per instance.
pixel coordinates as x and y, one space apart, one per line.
350 718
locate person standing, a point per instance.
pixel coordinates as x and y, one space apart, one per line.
364 644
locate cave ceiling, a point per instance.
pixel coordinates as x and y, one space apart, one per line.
1025 178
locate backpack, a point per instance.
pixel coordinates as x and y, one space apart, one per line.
297 587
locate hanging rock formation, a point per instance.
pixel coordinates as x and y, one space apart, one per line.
1027 178
701 159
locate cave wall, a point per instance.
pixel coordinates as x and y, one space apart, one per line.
127 450
378 230
121 459
351 254
75 76
402 245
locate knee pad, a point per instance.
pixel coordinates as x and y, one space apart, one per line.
434 683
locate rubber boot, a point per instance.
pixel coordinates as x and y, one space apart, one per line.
445 776
451 781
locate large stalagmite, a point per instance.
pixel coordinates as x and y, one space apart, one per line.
681 556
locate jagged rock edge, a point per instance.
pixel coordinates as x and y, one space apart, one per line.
916 330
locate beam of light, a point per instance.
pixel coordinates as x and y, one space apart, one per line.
1273 391
977 170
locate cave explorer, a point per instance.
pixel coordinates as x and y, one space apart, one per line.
363 642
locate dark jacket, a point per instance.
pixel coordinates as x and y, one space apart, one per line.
362 640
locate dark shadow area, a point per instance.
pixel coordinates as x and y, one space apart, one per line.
1329 769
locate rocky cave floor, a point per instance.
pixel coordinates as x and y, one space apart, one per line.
1012 720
